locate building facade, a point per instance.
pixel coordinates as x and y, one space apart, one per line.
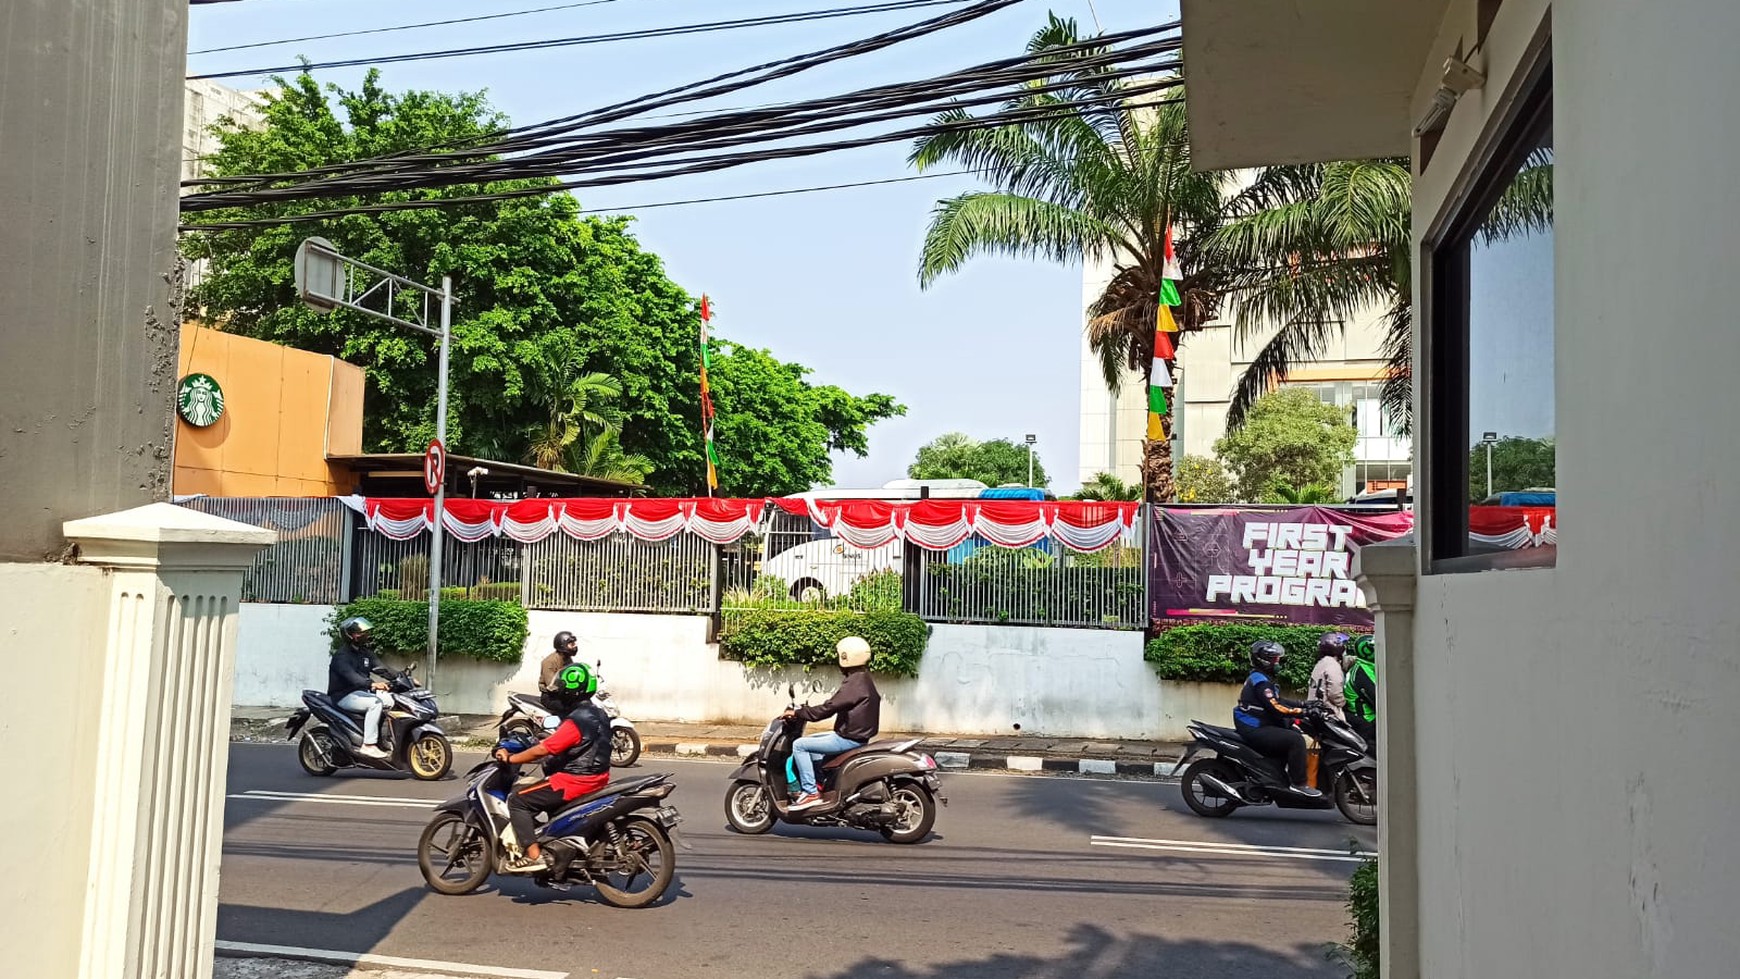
1548 726
1210 362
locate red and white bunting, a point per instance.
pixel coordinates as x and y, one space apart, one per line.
935 525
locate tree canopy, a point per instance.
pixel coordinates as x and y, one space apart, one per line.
960 456
1517 464
1107 487
546 303
1202 479
1290 438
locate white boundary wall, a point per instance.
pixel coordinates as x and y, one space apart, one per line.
1087 683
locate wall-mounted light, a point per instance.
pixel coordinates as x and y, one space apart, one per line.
1458 78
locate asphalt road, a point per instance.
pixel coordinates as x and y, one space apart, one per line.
1012 885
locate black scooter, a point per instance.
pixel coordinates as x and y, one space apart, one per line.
409 735
1238 775
884 786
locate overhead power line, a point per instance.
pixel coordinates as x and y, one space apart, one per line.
635 35
399 27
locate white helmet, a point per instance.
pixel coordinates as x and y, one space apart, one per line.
854 651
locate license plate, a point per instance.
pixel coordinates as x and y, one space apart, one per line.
669 816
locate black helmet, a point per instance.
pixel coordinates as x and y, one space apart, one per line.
566 642
1266 655
358 631
1332 644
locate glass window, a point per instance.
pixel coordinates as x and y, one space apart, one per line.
1491 418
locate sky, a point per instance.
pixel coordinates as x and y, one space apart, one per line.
828 280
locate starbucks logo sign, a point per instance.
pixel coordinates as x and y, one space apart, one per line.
199 400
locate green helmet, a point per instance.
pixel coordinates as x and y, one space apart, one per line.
575 680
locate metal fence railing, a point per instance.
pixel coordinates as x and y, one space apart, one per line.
1046 584
787 563
620 573
306 565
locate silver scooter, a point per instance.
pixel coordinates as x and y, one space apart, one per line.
528 721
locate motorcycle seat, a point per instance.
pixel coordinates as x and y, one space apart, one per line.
614 788
528 699
873 748
1229 733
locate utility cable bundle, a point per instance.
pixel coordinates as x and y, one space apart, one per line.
592 150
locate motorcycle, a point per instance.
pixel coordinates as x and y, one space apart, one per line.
884 786
619 840
527 720
409 735
1237 775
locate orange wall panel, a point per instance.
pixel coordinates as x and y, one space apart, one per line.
344 412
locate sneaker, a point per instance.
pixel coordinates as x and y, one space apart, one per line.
809 800
1307 791
370 751
526 865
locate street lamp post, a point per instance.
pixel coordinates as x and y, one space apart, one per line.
1031 438
327 280
1490 439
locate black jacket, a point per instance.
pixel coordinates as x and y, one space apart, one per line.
592 755
856 707
349 671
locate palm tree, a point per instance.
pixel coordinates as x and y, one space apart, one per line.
1315 493
1099 184
601 457
1328 241
1105 486
585 401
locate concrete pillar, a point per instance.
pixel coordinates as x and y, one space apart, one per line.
161 745
90 126
1387 573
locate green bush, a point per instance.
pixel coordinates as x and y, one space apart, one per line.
500 591
485 630
1220 653
806 638
1362 903
878 591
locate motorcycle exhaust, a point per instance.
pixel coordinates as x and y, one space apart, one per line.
1225 788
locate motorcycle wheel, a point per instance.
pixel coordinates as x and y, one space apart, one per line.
453 855
918 814
520 730
1202 798
316 759
748 810
1348 791
429 757
624 747
644 855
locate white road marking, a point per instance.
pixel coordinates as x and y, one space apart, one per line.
392 961
261 795
1233 849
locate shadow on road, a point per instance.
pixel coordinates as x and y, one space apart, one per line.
1094 953
345 929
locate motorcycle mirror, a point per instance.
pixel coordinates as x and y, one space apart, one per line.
411 669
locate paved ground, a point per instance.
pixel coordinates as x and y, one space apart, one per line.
1025 877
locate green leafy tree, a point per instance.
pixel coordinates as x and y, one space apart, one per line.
1517 464
959 456
1289 437
1202 479
544 299
1105 486
774 430
1315 493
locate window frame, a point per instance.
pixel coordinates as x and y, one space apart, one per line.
1511 136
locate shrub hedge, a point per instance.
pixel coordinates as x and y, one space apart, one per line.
792 637
495 591
1219 653
1362 902
485 630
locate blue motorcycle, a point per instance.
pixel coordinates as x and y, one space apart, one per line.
619 839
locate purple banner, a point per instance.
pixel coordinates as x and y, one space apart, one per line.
1293 565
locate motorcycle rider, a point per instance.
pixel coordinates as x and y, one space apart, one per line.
1266 720
1361 692
349 683
564 648
1327 678
857 710
577 762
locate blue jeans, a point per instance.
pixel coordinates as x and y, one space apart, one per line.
808 750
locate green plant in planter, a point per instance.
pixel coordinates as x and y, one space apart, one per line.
485 630
1219 653
768 638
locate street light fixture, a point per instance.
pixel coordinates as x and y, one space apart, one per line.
327 280
1031 438
1490 439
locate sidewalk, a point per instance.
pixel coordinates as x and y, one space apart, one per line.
1021 753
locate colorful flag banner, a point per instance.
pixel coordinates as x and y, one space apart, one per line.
1160 378
707 400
